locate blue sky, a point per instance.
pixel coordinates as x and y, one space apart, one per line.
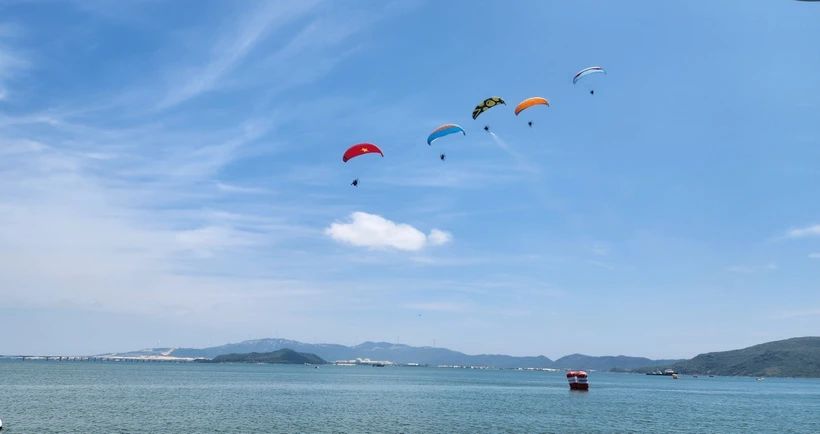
172 172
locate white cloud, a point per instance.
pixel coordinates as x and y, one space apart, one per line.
809 231
376 232
438 237
814 255
599 250
739 269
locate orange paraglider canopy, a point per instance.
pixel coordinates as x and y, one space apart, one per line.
361 149
529 102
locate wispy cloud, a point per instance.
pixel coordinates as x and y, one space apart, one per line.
601 265
437 307
814 255
469 308
12 62
517 313
771 266
787 314
127 212
477 177
523 164
451 261
599 250
221 186
376 232
231 49
808 231
204 241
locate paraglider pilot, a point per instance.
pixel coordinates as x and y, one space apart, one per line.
487 128
530 124
442 156
355 182
592 92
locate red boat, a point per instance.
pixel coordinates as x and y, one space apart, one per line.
577 380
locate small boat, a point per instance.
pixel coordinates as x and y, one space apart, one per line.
379 365
315 367
759 378
675 376
694 376
577 380
711 376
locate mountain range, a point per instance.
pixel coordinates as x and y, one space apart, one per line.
399 353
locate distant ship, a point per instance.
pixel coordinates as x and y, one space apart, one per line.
379 365
665 372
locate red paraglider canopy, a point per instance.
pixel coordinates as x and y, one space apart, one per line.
361 149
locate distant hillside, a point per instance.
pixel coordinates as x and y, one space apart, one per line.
405 354
397 353
796 357
606 363
284 356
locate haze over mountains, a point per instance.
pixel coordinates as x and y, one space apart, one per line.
399 353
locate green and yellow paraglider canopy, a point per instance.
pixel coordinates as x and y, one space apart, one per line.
487 104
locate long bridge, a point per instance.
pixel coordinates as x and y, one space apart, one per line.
104 358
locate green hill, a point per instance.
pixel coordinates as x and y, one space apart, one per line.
796 357
283 356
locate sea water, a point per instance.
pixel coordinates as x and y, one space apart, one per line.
94 397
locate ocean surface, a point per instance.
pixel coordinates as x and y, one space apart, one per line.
92 397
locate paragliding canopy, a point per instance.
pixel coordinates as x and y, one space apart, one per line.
486 105
444 130
529 102
587 71
361 149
